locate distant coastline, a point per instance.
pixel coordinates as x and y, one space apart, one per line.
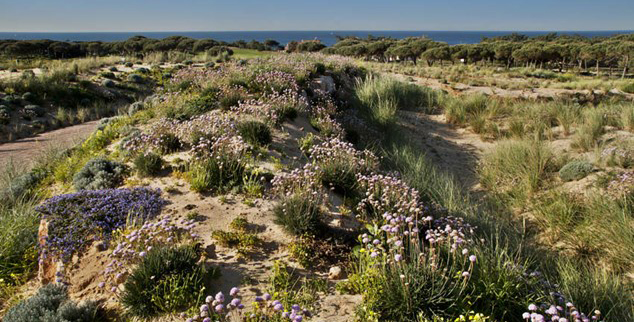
326 37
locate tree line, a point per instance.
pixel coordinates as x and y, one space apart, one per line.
555 51
134 46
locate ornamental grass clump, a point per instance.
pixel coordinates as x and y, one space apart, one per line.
76 220
148 164
302 197
218 165
255 133
167 280
100 173
51 303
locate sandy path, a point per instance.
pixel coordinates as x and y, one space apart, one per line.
454 150
24 152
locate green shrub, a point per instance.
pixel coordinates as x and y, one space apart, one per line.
575 170
29 97
113 69
51 304
148 164
135 78
255 133
109 75
100 173
135 107
35 109
167 280
108 83
5 117
299 215
129 64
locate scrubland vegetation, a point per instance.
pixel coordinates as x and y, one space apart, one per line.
173 209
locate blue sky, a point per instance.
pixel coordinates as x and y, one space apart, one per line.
214 15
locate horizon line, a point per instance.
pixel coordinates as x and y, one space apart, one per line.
323 30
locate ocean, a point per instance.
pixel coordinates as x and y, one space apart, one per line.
327 37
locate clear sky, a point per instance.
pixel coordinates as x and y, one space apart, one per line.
220 15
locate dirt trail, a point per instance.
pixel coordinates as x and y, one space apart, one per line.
24 152
454 150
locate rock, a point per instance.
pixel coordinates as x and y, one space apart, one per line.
46 268
189 207
325 83
335 273
616 91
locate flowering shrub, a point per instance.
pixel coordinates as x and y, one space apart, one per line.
337 163
76 220
218 164
132 247
387 194
100 173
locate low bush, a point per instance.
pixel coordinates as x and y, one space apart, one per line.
51 303
129 64
168 280
135 107
113 69
135 78
575 170
36 110
100 173
109 75
255 133
108 83
76 220
148 164
299 215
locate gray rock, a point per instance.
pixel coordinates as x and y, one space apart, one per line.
335 273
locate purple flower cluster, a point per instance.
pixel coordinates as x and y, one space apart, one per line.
303 181
266 306
387 194
337 153
557 313
225 146
76 220
220 308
